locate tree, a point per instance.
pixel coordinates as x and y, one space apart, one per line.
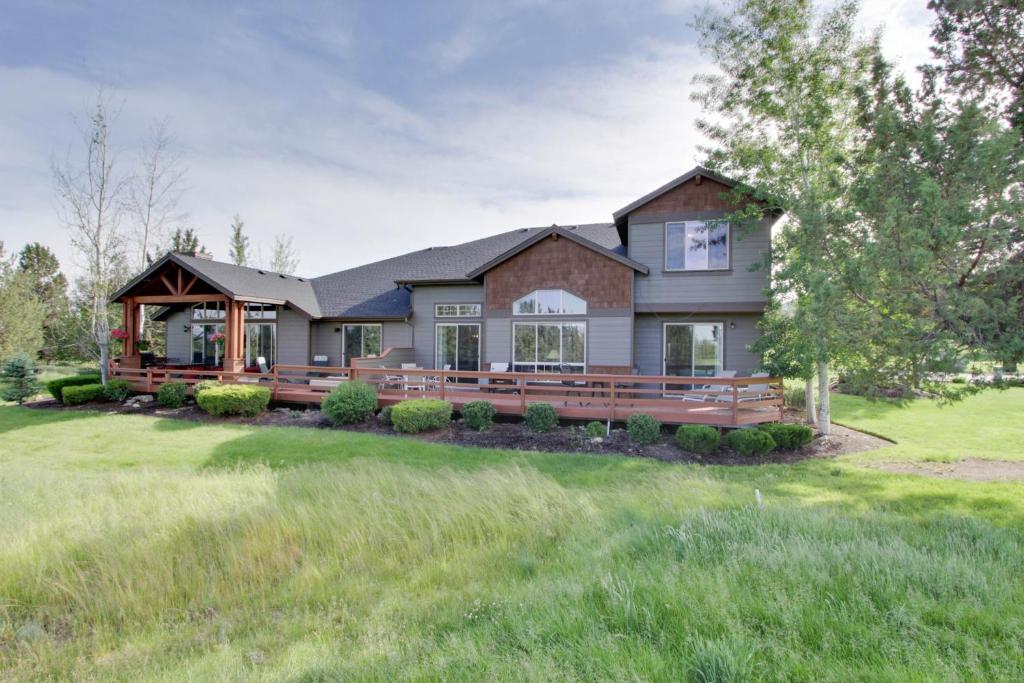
786 352
980 43
154 194
186 241
283 258
90 195
21 312
42 271
18 379
239 251
781 120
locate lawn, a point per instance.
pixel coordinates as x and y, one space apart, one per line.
141 549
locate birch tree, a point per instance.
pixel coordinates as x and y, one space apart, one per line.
283 258
91 199
239 243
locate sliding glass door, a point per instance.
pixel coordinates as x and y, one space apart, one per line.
360 341
458 346
693 349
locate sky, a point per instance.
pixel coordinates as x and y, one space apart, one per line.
367 129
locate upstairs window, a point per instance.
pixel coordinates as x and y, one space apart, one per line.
261 311
697 245
209 310
457 310
549 302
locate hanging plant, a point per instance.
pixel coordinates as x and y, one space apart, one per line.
218 338
119 334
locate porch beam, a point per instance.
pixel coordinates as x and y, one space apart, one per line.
168 285
179 298
186 288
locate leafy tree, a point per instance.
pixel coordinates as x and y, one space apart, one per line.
18 379
782 121
21 312
980 43
239 251
283 258
786 352
41 269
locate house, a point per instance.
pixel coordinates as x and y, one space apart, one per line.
665 288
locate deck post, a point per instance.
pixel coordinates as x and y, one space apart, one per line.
149 380
611 403
276 382
521 383
735 403
443 382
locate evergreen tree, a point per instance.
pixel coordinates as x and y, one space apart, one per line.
239 251
41 268
21 312
18 379
186 241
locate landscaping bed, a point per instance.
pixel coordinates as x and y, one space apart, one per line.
510 433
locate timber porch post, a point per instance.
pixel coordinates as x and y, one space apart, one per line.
234 330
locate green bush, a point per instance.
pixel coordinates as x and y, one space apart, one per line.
384 416
56 386
82 393
540 417
18 378
172 394
350 402
643 429
700 439
118 390
200 387
421 414
234 399
595 430
788 437
478 415
794 397
750 441
959 380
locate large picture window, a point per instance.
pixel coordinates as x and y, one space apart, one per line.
209 310
360 341
697 245
549 347
549 302
458 346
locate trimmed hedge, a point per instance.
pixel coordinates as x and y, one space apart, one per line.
172 394
643 429
118 390
56 386
595 430
200 387
235 399
788 437
699 439
420 415
82 393
384 416
750 441
478 415
350 402
541 417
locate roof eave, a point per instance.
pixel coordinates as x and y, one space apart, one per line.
543 234
671 185
169 257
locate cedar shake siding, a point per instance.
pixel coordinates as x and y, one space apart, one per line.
559 263
709 195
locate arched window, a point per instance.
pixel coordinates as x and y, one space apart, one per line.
549 302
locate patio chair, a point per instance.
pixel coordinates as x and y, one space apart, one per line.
713 397
756 392
495 367
574 386
412 382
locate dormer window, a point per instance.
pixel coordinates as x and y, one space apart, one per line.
549 302
697 245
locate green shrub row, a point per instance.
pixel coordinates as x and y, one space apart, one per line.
540 417
595 430
421 414
56 386
350 402
76 394
699 439
172 394
750 441
788 437
234 399
643 429
478 415
118 390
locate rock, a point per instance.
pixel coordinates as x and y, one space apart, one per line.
145 398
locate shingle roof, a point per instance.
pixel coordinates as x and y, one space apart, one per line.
671 185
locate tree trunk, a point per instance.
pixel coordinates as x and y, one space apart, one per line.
809 400
104 361
824 409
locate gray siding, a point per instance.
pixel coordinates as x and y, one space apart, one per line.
648 332
647 245
179 340
423 299
498 346
292 337
325 341
609 341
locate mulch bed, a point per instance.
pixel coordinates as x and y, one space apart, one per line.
510 433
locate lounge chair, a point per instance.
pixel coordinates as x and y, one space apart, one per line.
756 392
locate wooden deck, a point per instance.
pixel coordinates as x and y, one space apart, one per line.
732 401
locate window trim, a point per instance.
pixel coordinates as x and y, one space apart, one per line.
664 344
362 343
478 307
479 337
561 302
728 247
559 323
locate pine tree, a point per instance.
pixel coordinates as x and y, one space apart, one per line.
18 379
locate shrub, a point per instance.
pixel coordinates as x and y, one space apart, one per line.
595 430
699 439
118 390
350 402
959 380
234 399
750 441
18 376
540 417
478 415
643 429
788 437
82 393
172 394
421 414
794 397
200 387
56 386
384 416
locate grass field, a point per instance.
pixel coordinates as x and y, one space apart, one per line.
140 549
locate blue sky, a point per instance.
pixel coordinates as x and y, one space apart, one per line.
367 129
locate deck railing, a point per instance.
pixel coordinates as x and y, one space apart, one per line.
719 401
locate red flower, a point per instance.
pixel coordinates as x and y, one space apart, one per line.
119 334
217 337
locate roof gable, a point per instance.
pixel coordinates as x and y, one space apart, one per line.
696 174
556 232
